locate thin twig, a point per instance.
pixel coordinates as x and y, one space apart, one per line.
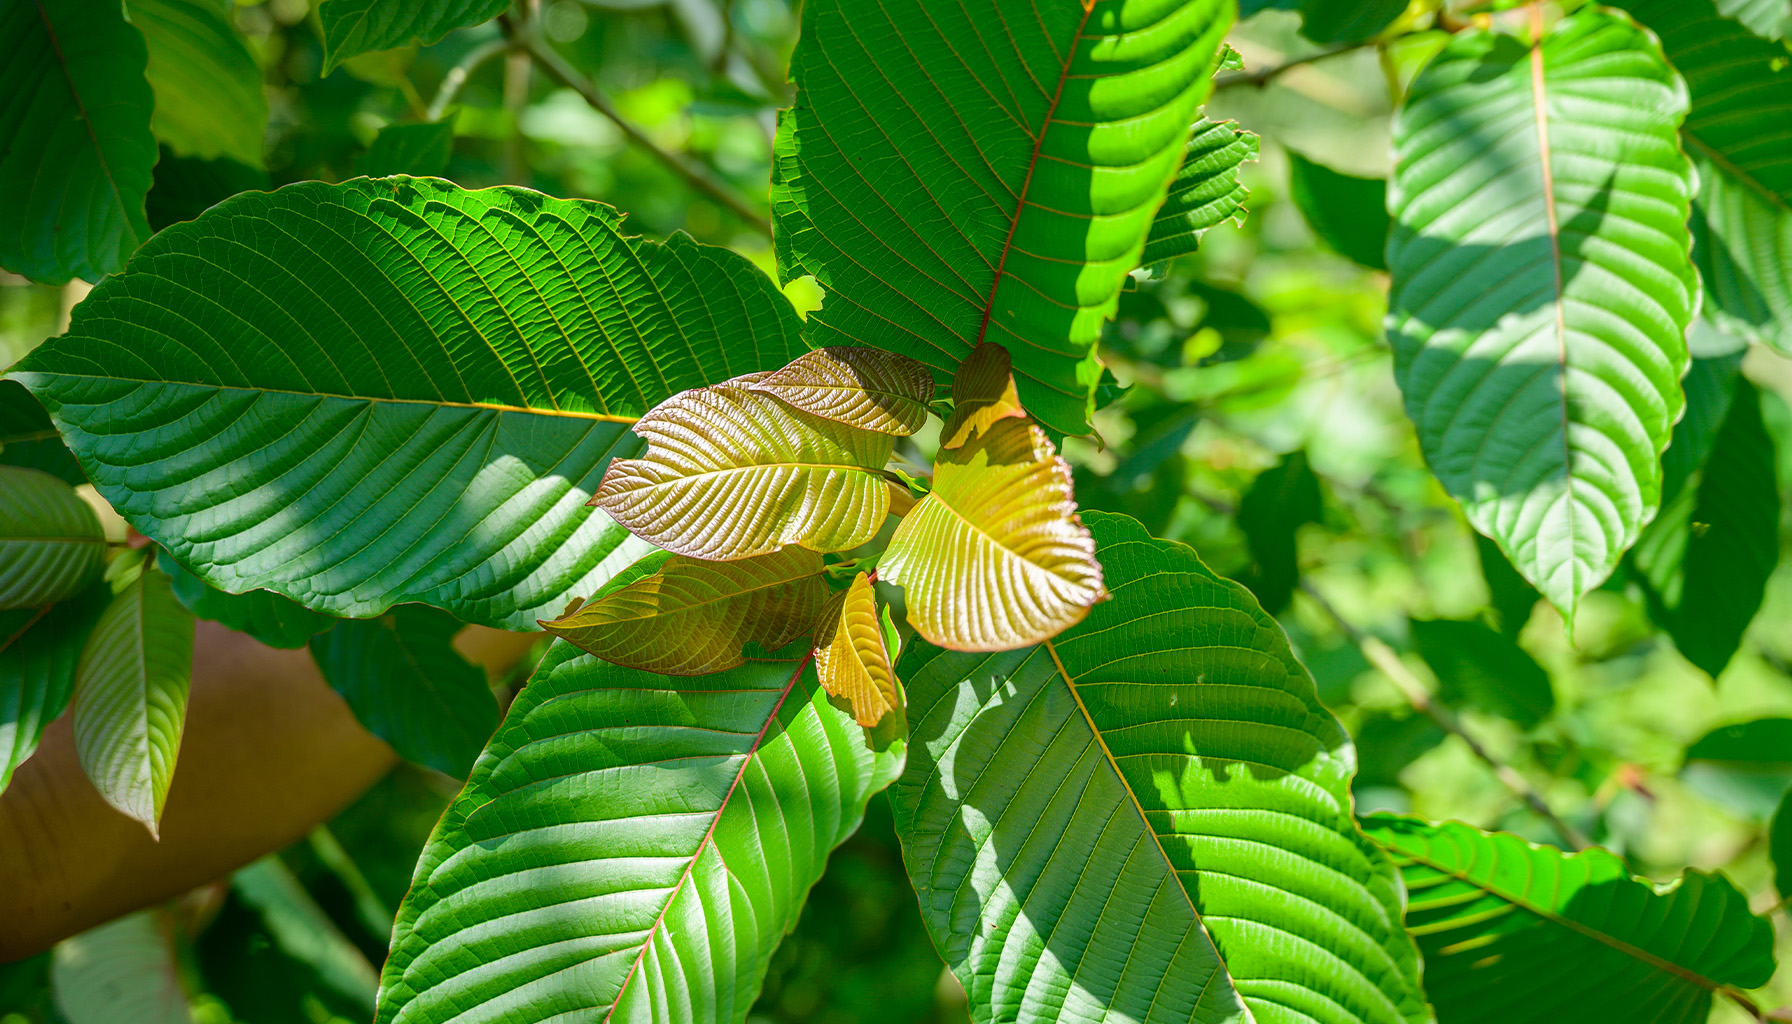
1268 74
1384 658
697 177
458 74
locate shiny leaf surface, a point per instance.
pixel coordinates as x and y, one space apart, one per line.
861 387
983 394
850 657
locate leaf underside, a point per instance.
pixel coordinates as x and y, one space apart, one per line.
850 657
39 649
51 544
207 85
983 393
861 387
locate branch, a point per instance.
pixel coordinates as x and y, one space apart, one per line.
1259 79
1384 658
458 74
694 175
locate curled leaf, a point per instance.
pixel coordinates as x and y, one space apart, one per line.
731 473
850 657
995 556
866 388
693 617
982 394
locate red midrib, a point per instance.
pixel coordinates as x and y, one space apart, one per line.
1020 201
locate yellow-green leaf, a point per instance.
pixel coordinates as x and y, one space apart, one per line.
51 543
731 472
983 394
693 617
995 556
850 657
866 388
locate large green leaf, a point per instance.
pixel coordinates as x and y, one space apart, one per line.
1736 133
630 847
404 680
954 173
1515 931
274 620
1542 286
51 543
130 700
39 648
395 390
354 27
1206 192
1147 818
207 85
76 152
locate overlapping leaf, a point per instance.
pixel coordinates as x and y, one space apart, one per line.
1348 213
39 648
130 700
29 439
1206 192
852 658
1147 818
274 620
1769 18
631 847
731 472
207 84
861 387
983 393
76 151
694 617
995 557
395 390
353 27
1509 928
51 544
421 148
1542 287
958 173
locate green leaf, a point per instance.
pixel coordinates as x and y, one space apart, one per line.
1019 163
304 932
207 84
51 543
354 27
1769 18
852 659
39 648
29 439
1541 287
1347 21
1710 386
693 617
1348 213
186 187
1147 816
1205 192
1512 930
1779 845
761 473
406 683
130 700
124 970
1479 668
1735 134
1744 767
274 620
395 390
1280 501
860 387
1511 596
1705 561
76 151
995 557
421 149
630 847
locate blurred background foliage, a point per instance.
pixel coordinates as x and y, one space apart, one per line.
1258 421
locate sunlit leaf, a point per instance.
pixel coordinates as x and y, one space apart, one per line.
51 543
39 648
995 556
207 84
130 700
1348 213
274 620
850 657
354 27
983 393
421 149
1542 288
631 847
1205 193
1512 930
861 387
693 617
731 472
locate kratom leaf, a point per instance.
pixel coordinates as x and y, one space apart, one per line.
850 657
1735 133
1779 845
995 557
353 27
186 187
130 700
1019 161
304 932
693 617
274 620
75 145
1480 668
1147 818
123 970
28 439
1744 766
1278 503
1710 387
983 393
1348 213
1769 18
631 847
39 648
1347 21
1205 192
861 387
1541 286
51 543
1510 596
405 682
1510 929
422 148
731 472
207 84
395 390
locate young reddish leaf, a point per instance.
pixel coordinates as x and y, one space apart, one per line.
866 388
995 557
850 657
982 394
693 617
731 473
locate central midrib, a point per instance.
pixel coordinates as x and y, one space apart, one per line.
1539 99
